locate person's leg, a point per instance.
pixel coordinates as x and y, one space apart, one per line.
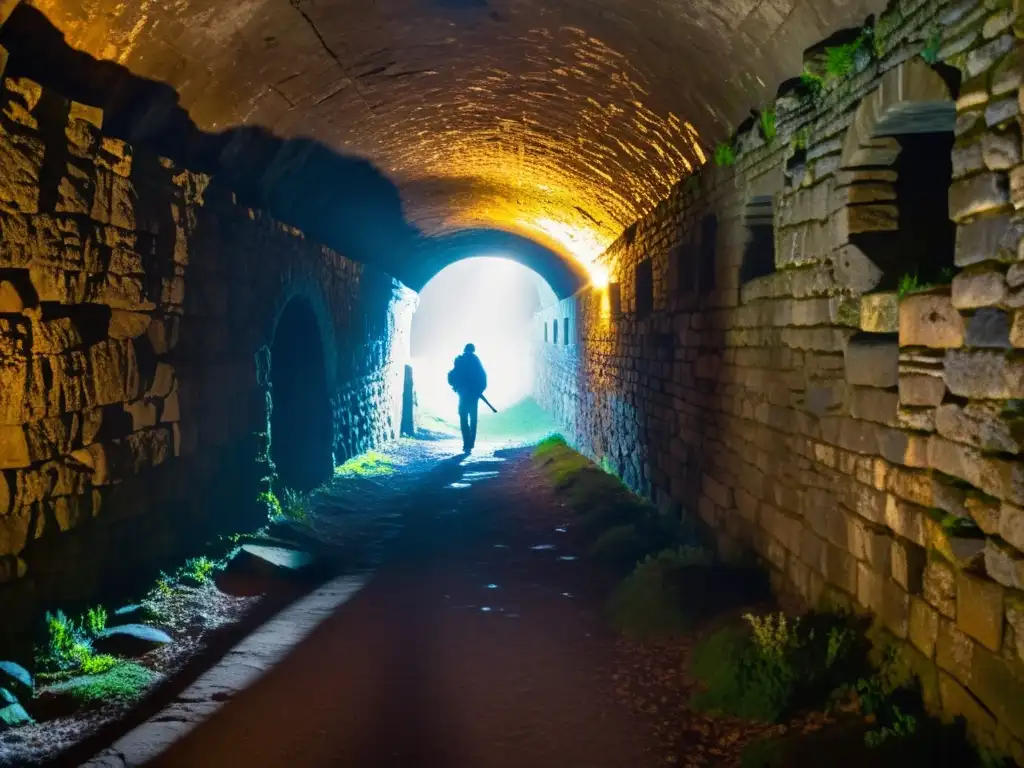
464 424
474 412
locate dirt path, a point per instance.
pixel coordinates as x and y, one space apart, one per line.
479 643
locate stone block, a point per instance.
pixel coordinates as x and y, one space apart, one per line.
988 238
930 320
972 290
984 511
906 520
1017 329
999 686
1011 524
128 325
21 162
979 609
924 626
1001 150
978 194
871 404
14 449
954 652
853 270
984 375
15 529
1001 111
1017 187
958 702
1004 565
979 424
879 312
967 158
984 57
989 327
895 613
873 363
921 390
938 586
870 588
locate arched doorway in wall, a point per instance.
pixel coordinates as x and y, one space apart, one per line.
490 302
301 422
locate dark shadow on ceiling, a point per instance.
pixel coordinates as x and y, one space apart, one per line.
565 276
342 201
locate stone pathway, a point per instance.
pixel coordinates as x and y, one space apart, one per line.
478 643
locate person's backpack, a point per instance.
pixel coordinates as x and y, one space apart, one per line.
453 377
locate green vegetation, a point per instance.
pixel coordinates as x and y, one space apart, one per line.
651 602
775 666
199 570
122 682
14 679
911 283
294 506
930 52
800 139
841 60
271 501
369 464
768 129
725 155
96 620
811 83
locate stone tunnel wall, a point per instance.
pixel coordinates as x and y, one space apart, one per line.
138 304
865 444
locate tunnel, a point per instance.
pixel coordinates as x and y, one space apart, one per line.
745 279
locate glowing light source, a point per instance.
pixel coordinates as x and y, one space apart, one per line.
598 276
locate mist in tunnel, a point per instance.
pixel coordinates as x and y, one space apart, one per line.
489 302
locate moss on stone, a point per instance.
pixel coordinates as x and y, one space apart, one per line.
124 682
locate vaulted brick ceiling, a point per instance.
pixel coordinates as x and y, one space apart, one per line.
562 120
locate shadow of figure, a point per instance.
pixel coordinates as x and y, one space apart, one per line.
342 201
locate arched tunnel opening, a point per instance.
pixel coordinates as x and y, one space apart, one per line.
490 302
301 422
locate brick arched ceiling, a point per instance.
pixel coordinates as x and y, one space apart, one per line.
560 120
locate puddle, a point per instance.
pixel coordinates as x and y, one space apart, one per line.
501 546
479 475
459 485
492 586
542 547
567 594
567 557
561 530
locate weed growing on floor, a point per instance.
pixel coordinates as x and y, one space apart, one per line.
96 620
369 464
774 666
294 506
123 682
198 570
650 601
910 282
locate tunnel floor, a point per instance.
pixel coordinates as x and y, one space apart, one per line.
479 642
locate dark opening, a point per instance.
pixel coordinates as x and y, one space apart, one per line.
921 251
759 251
615 298
554 331
686 268
301 422
545 332
706 260
565 331
644 288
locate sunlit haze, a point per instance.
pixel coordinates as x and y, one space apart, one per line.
486 301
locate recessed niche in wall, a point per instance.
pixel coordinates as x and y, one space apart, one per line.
759 250
707 253
918 250
644 288
565 332
615 298
685 263
545 331
554 331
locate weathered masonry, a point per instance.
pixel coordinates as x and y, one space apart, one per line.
820 349
142 312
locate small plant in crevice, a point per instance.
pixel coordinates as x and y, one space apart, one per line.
811 83
768 127
841 61
69 644
910 282
271 502
932 45
725 155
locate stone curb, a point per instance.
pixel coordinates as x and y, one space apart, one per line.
241 667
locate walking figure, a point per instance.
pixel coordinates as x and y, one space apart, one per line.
469 380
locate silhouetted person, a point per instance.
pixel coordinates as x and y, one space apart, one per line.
469 380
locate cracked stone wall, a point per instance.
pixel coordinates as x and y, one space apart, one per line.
138 303
861 434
